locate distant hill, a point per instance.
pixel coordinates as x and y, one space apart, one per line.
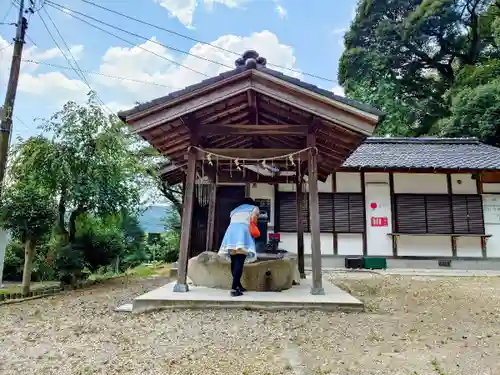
153 219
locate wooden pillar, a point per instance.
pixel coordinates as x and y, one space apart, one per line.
394 223
335 234
365 233
317 287
186 221
299 195
211 217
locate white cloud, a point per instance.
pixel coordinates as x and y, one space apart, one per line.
77 51
49 54
31 53
57 84
184 10
60 87
228 3
138 64
117 106
339 31
282 13
338 90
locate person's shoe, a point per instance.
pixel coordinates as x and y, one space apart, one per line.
241 289
236 293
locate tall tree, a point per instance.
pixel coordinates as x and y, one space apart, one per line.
87 161
28 210
414 49
474 97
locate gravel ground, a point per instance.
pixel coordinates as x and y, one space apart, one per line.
412 326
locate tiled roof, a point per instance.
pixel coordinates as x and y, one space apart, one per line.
424 153
240 69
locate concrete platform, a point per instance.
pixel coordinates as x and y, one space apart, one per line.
298 297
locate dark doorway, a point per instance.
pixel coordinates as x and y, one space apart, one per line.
200 217
228 198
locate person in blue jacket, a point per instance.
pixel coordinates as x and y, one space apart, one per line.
238 245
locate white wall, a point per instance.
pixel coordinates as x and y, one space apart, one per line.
377 191
289 242
264 191
463 184
348 244
348 182
491 209
420 183
323 187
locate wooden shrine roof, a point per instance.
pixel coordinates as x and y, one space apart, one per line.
253 107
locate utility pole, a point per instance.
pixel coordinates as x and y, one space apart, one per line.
10 96
6 115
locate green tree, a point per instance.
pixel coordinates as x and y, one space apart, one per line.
88 161
409 53
29 211
154 163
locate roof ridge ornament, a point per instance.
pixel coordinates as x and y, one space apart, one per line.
251 60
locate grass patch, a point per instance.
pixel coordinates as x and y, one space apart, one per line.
141 271
17 288
437 367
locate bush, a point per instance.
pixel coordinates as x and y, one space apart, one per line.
14 261
165 248
101 240
43 268
69 262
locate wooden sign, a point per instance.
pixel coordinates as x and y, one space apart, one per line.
379 221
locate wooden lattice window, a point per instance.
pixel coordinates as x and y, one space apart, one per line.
421 214
439 214
338 212
468 214
287 212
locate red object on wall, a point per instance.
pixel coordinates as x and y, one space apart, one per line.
275 236
379 221
373 205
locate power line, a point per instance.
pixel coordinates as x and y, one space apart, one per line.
100 74
22 122
7 46
79 73
31 40
61 9
197 40
139 36
8 12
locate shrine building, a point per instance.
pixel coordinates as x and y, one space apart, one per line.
331 190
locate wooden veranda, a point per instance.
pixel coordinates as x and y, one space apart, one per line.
247 115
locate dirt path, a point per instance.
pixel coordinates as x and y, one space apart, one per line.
412 326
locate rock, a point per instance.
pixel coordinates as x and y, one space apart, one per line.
209 270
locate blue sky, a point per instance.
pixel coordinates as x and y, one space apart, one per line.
290 33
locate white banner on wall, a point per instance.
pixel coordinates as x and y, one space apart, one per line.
491 208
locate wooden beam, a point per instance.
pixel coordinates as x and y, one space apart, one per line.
299 196
252 129
186 221
226 113
393 215
365 231
245 176
296 91
167 112
252 104
211 217
335 234
317 287
255 153
315 107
